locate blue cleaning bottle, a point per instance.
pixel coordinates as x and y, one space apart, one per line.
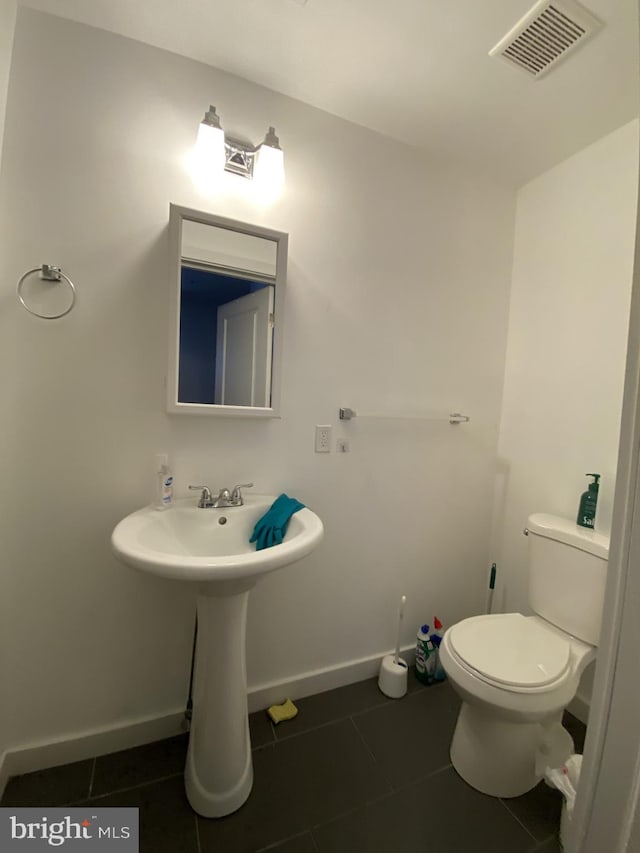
425 659
436 638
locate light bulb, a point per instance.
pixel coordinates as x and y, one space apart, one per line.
210 151
268 169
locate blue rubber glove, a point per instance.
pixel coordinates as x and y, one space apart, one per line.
271 528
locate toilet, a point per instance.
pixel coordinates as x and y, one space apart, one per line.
516 674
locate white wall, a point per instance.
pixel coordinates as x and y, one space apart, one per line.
7 28
569 314
399 273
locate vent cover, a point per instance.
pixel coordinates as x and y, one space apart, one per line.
546 34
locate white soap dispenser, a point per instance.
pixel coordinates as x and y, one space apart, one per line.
164 483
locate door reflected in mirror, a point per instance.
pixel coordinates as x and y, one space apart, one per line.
227 299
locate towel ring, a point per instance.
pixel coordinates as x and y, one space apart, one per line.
47 273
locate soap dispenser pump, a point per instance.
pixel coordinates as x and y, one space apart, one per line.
164 483
588 503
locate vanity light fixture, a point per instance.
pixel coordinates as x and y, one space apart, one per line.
268 163
217 152
210 144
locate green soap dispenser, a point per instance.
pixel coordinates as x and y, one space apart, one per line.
588 503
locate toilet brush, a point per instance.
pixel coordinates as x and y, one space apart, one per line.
396 657
392 680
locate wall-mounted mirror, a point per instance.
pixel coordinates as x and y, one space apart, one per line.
226 311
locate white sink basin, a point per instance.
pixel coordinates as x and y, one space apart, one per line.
211 547
187 543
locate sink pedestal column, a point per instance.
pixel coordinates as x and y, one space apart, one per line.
219 772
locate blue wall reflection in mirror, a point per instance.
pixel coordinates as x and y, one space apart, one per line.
202 292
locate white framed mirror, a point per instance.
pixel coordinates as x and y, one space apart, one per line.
226 311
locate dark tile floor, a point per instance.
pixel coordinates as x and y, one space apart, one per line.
354 772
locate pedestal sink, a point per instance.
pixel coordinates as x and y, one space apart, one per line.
210 548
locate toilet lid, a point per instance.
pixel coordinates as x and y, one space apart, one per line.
511 649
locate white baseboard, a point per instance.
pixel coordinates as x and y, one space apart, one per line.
85 745
79 747
319 680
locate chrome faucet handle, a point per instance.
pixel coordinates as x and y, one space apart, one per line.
223 499
236 494
206 498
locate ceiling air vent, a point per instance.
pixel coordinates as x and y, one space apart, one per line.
546 34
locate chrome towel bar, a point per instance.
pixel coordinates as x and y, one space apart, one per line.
347 414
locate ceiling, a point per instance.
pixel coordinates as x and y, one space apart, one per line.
414 70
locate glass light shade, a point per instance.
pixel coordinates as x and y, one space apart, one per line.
210 152
268 170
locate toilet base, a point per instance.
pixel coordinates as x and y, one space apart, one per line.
498 756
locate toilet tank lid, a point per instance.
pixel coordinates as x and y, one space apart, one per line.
562 530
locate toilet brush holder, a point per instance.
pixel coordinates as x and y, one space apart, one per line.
392 680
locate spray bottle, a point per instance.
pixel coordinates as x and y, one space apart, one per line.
425 659
436 638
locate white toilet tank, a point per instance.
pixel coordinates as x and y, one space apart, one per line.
567 575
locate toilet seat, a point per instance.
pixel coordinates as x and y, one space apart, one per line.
511 652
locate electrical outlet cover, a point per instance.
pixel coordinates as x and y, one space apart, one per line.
323 438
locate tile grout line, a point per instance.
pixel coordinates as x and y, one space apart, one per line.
324 725
135 787
372 755
275 844
263 746
381 702
198 847
391 792
517 820
347 715
373 801
541 844
272 727
392 789
420 779
342 815
314 842
93 775
396 788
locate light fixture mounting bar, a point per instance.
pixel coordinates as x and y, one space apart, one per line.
239 157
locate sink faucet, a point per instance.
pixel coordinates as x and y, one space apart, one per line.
225 497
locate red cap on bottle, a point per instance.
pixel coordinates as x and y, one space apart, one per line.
437 624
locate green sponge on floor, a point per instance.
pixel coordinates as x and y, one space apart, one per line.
286 711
